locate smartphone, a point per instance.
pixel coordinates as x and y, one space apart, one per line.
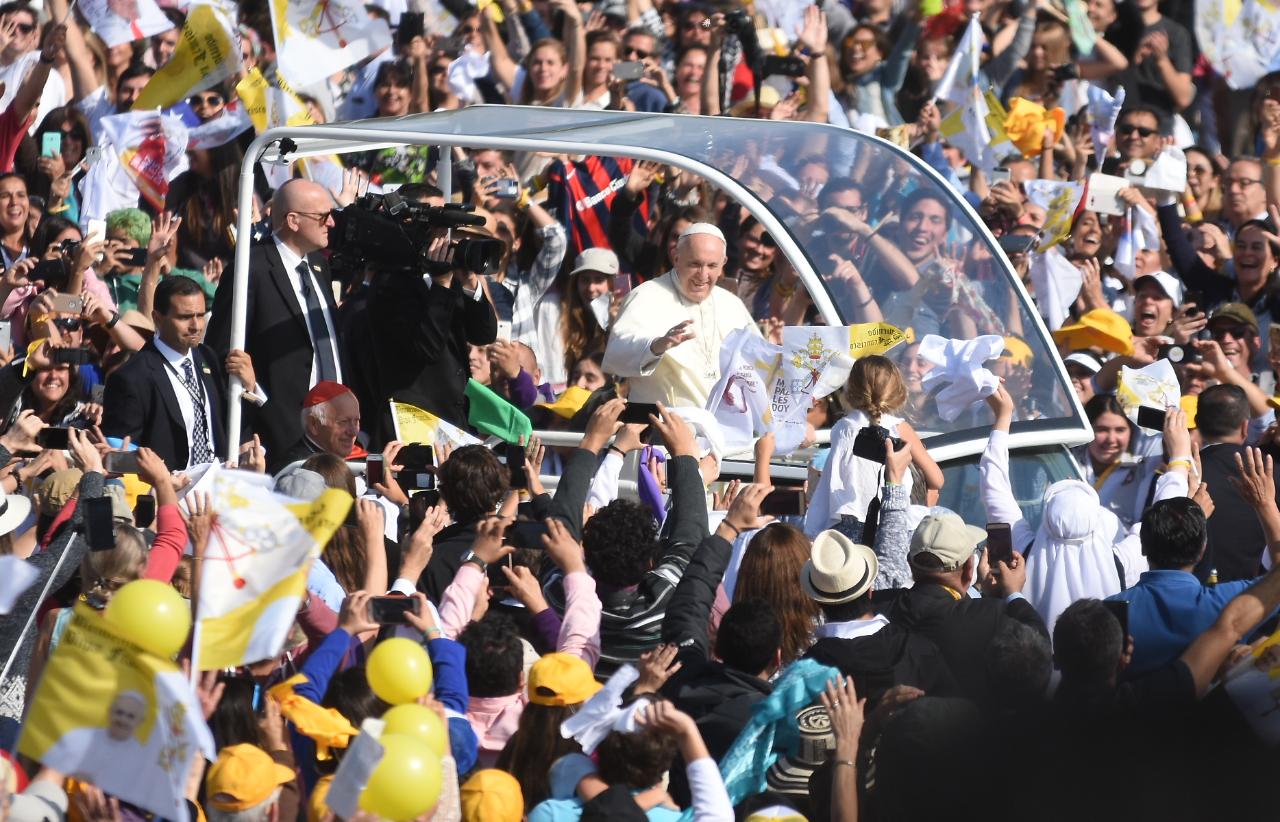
497 579
1152 418
51 144
144 511
1017 243
432 497
67 303
787 66
506 188
417 455
638 413
53 273
97 232
99 527
783 502
72 356
391 610
511 455
628 70
504 330
1119 609
135 258
417 479
6 334
54 438
999 175
999 543
1194 298
373 470
412 24
121 462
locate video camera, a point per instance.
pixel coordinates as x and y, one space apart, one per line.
394 234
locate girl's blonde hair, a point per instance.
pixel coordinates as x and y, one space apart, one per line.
875 387
102 573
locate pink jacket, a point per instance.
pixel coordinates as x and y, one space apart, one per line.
19 300
495 719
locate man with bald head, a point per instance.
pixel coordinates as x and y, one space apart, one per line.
668 334
290 322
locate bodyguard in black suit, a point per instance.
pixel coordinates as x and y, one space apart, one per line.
290 327
172 395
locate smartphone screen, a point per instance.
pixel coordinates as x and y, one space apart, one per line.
71 356
51 144
391 610
373 470
99 529
144 511
121 462
6 334
512 455
1120 610
97 232
999 543
497 579
638 412
1151 418
52 437
628 70
783 502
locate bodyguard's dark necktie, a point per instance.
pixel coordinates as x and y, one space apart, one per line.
201 450
327 369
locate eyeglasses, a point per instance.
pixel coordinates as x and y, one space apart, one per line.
25 28
1238 332
1240 182
639 54
320 217
67 323
1141 131
197 100
865 42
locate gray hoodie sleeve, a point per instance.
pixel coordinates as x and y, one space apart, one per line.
893 538
1001 67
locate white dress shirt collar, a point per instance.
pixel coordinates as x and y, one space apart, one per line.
171 355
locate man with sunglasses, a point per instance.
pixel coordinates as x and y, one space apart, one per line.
1139 134
291 312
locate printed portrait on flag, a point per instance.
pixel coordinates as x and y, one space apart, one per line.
106 711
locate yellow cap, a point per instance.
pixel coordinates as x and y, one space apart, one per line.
244 776
1100 328
491 795
561 679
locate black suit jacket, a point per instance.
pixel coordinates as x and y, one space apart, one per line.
961 628
1236 539
140 402
277 339
420 335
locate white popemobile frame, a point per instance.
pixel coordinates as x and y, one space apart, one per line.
500 127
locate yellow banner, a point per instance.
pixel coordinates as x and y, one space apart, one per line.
206 54
415 425
873 338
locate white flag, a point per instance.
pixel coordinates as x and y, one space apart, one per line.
959 371
740 401
142 152
1057 282
318 38
1103 111
122 21
962 71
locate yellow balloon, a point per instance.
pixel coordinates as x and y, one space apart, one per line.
152 615
419 722
406 783
399 671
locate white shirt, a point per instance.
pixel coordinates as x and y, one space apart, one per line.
290 259
52 96
684 375
176 371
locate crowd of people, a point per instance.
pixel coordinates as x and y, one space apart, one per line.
676 652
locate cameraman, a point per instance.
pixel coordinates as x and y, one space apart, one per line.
421 325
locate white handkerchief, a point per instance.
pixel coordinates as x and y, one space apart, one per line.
463 73
602 712
1153 386
16 576
1057 283
1168 172
960 370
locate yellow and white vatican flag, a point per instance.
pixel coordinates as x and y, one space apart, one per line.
254 573
110 713
208 52
415 425
318 38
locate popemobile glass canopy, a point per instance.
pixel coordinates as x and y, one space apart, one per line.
940 271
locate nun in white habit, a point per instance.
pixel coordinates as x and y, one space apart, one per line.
1080 550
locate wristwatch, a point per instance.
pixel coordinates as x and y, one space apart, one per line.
473 557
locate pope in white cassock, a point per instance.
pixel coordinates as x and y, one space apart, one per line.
668 334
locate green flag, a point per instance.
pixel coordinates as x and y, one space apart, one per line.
494 415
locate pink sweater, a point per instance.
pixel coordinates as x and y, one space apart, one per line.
171 541
494 719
